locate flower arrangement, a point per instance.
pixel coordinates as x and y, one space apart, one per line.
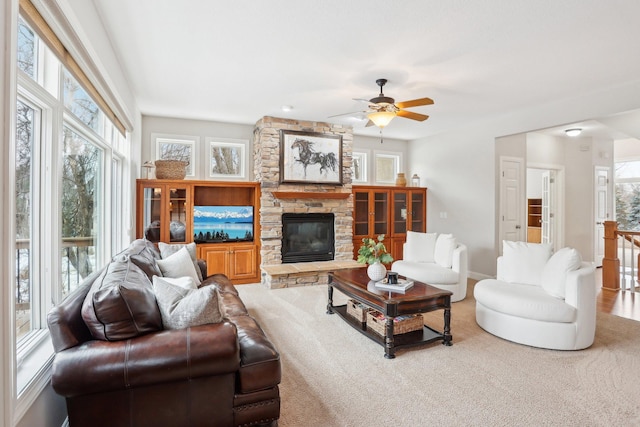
373 251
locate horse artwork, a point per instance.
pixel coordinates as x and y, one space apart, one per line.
309 158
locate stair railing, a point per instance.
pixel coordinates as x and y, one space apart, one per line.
616 274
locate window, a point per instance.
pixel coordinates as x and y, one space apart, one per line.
68 175
81 209
359 167
627 188
25 134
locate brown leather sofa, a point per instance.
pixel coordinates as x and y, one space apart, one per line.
223 374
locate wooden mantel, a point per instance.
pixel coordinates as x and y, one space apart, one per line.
309 195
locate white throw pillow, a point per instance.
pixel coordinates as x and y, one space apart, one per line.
179 265
185 282
420 247
166 250
443 253
523 262
554 274
182 308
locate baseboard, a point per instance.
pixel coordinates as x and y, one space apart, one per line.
478 276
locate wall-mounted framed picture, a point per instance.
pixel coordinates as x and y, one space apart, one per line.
310 157
387 166
359 167
177 147
227 158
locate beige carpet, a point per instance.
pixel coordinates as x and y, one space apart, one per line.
335 376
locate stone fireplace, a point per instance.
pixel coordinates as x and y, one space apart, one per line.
278 199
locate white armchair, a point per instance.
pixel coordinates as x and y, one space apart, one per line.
539 299
438 260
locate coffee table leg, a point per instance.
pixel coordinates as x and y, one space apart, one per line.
447 327
389 349
330 300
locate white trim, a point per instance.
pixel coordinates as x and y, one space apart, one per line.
364 164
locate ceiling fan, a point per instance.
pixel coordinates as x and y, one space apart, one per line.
383 109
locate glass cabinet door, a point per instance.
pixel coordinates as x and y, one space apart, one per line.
361 213
418 212
177 215
400 213
380 213
151 213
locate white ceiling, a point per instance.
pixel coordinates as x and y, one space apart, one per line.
237 61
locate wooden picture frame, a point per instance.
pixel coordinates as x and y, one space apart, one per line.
310 157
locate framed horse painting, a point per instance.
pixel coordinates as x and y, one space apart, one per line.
310 157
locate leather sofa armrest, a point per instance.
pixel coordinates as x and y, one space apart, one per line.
171 355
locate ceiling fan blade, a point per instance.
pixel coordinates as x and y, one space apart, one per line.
412 115
369 123
360 99
414 103
347 114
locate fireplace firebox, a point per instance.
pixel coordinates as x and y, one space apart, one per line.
307 237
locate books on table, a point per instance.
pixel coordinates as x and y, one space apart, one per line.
401 286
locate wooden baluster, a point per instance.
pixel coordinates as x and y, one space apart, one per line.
610 262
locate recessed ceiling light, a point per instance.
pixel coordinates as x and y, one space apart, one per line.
287 108
573 132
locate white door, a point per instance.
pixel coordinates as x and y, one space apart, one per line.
601 210
511 199
548 199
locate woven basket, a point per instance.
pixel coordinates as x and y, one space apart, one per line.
401 325
357 310
171 169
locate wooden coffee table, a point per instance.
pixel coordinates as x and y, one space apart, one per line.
420 298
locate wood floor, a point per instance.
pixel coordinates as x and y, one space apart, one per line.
623 304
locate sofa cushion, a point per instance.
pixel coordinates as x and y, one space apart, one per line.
554 273
419 247
121 303
144 254
527 301
523 262
179 265
443 253
426 272
182 308
166 250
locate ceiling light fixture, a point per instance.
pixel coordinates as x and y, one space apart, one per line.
573 132
381 118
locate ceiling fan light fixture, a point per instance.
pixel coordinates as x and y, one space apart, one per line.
573 132
381 118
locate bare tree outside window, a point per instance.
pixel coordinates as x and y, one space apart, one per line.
24 204
78 101
81 173
26 49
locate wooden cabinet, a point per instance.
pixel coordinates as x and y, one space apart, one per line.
390 211
534 220
238 261
165 213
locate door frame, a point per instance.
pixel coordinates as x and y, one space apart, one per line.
520 203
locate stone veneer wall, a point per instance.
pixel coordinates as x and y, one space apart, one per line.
266 154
